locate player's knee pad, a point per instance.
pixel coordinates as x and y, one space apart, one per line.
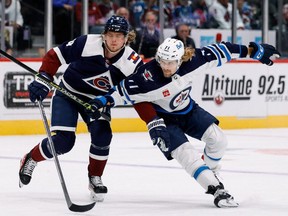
216 144
63 142
189 159
101 136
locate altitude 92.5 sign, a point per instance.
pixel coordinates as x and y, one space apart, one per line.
16 94
225 88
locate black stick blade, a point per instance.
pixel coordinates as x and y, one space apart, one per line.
81 208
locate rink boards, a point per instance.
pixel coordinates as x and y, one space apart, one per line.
242 94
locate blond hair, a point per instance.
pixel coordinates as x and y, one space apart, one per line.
188 53
131 37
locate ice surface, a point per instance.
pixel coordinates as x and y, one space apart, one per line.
141 182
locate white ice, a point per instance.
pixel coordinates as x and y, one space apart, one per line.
141 182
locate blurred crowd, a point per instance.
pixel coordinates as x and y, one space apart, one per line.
27 18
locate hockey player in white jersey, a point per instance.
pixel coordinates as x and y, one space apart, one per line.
172 114
96 63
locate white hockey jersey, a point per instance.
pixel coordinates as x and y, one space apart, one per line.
173 94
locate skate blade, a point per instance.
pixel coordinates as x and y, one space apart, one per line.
99 197
20 184
228 204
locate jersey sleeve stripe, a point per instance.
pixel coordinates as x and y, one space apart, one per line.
216 53
226 51
60 56
125 94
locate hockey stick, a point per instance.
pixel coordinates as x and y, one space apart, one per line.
73 207
54 85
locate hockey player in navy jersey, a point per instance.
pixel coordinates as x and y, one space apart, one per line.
96 63
172 114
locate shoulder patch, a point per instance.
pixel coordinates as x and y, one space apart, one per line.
134 57
147 75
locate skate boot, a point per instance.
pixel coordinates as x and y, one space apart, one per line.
27 165
222 199
98 190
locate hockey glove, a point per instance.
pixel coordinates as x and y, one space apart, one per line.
38 90
263 53
100 104
159 134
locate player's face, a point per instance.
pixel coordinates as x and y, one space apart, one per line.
114 40
168 67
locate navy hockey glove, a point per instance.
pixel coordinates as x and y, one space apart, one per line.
38 90
263 53
101 104
159 134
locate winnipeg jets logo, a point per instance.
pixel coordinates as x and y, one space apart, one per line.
180 98
147 75
101 82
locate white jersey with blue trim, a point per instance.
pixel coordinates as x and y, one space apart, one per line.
89 73
173 94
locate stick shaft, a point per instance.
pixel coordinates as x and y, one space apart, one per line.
71 206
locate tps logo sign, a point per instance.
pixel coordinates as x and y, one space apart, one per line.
16 94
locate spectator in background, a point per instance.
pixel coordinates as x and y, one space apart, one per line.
95 18
168 8
14 18
137 9
183 14
147 39
63 18
221 10
107 8
183 32
245 13
122 11
200 12
7 46
257 13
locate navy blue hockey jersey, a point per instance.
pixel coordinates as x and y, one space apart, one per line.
89 74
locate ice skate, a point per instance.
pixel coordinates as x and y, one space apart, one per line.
27 165
222 199
98 190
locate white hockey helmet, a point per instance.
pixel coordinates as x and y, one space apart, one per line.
171 49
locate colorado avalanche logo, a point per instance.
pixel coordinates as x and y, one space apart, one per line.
219 98
180 98
101 82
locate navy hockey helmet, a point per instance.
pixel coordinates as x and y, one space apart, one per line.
117 24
